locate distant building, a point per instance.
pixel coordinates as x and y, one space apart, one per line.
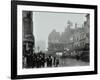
40 46
65 36
71 38
54 36
59 42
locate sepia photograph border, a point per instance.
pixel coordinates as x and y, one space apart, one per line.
14 39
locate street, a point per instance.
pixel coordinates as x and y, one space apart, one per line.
71 62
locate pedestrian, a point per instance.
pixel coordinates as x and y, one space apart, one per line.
43 60
57 62
49 61
37 62
34 60
54 61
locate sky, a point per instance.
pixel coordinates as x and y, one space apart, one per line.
45 22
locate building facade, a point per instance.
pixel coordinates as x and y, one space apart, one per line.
27 37
81 35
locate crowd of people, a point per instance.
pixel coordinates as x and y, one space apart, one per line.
40 60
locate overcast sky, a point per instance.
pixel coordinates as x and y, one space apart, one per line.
45 22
